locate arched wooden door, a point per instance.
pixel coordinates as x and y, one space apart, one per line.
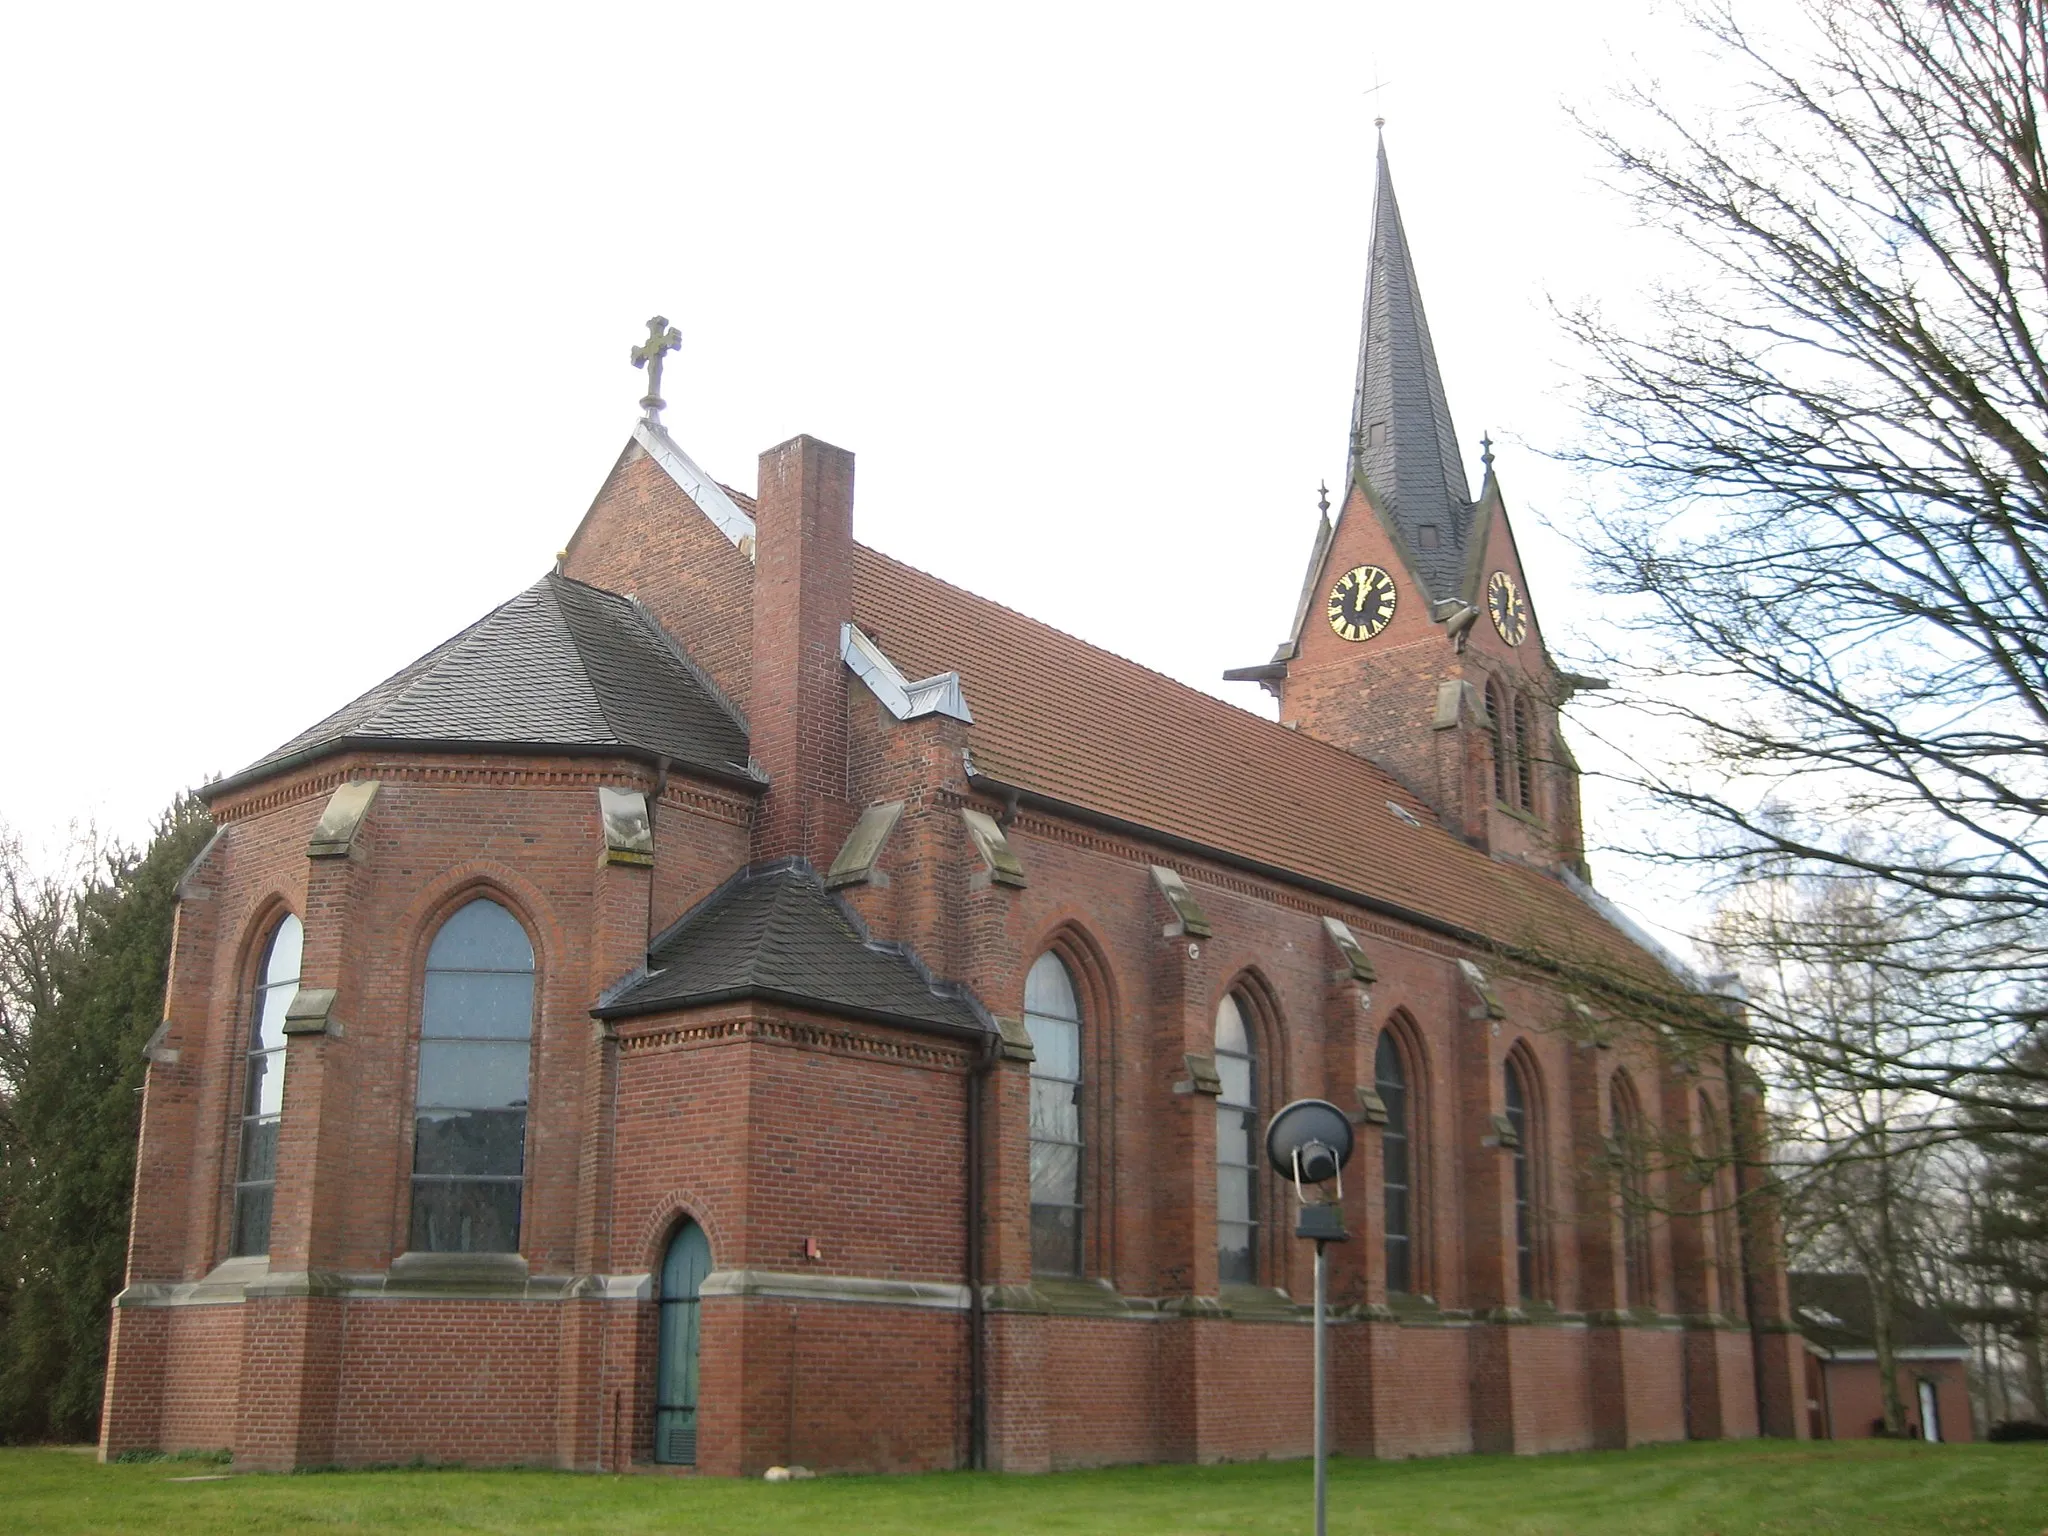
675 1390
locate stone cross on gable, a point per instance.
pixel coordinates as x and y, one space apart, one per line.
662 338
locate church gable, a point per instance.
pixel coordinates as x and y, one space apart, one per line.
663 531
1506 631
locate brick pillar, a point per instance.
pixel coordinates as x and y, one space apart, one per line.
1599 1289
161 1243
131 1405
1490 1264
291 1374
1780 1353
1358 1268
1183 1154
803 592
587 1428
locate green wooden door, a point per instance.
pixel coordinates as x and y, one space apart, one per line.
675 1392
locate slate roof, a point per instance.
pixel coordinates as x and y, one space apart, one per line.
773 931
1061 718
1413 467
562 666
1837 1312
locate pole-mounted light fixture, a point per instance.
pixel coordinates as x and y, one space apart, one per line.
1309 1142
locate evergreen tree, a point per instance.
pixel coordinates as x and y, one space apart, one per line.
84 991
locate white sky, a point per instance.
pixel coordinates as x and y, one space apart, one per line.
314 323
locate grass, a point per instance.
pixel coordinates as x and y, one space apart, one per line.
1681 1490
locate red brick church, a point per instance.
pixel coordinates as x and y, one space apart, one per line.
747 1001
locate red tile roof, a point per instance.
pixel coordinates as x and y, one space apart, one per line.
1067 720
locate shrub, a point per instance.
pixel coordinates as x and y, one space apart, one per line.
2019 1429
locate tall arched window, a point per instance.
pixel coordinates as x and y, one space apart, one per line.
1496 730
1237 1113
263 1093
1390 1078
1052 1013
1525 753
1626 1127
1518 1098
675 1386
476 1033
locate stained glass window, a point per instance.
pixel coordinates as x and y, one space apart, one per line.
277 981
1052 1014
1237 1113
469 1139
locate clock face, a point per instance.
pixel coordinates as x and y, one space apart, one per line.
1510 612
1361 602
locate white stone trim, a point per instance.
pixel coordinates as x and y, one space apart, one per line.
936 695
1913 1352
784 1285
693 482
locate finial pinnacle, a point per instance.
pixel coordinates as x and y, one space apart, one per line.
1486 451
662 338
1323 491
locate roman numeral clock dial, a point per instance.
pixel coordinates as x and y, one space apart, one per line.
1361 603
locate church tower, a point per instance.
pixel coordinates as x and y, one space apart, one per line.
1415 641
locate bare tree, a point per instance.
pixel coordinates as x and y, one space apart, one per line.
1834 538
1856 1159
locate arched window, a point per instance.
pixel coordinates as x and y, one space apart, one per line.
1052 1013
1525 753
277 979
1496 730
1525 1170
1397 1181
1626 1127
1237 1113
476 1032
675 1390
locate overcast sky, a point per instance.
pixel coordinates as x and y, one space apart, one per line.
316 321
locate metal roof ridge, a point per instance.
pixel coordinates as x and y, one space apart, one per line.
706 492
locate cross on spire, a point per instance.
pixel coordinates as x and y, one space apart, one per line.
1378 85
662 338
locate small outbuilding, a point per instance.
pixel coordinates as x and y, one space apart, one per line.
1837 1316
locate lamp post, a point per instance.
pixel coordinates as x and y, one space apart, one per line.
1309 1142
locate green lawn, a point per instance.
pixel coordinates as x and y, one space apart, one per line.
1686 1490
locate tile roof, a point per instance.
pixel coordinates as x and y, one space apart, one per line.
773 931
1836 1311
1058 717
1403 442
562 665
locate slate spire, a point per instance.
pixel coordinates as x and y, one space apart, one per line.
1402 442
